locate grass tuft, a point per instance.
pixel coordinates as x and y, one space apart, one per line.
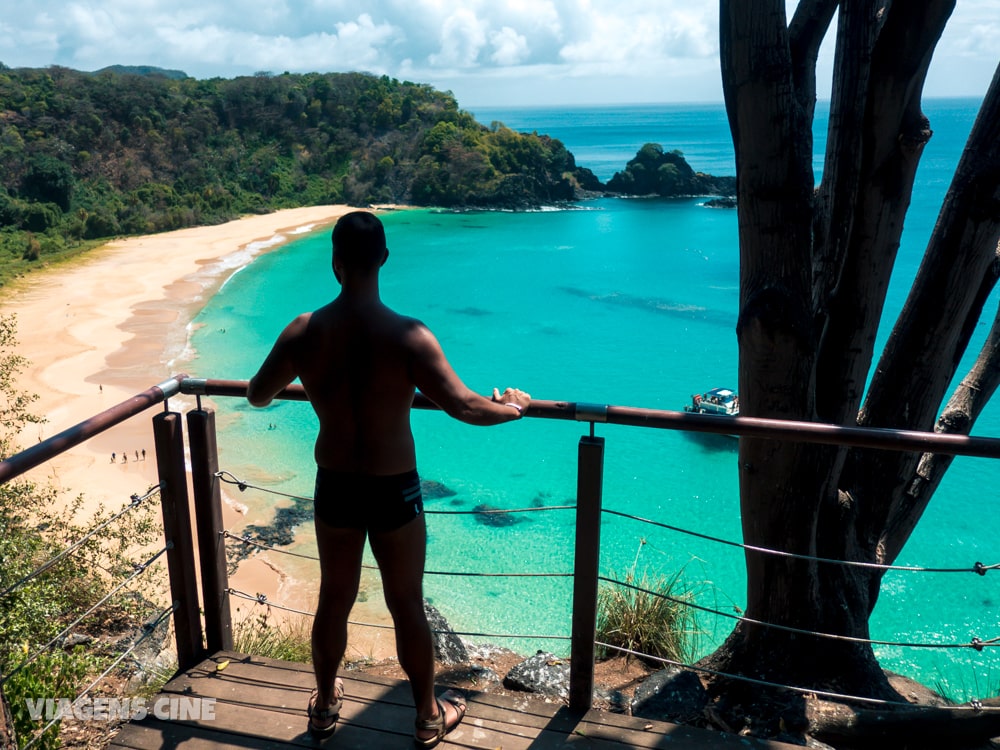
288 640
652 619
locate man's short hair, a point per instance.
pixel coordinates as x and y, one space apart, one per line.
359 241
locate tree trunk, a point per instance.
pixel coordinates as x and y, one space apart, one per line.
815 265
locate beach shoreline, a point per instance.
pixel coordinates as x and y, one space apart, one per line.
97 330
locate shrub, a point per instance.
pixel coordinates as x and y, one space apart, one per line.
648 615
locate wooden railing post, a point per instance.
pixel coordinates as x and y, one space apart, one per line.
208 521
169 441
590 477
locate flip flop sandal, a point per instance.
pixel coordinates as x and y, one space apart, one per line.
329 714
437 724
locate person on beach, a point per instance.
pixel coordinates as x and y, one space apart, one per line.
360 363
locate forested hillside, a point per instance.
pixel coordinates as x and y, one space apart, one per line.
86 156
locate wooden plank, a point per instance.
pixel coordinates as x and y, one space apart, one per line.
260 703
266 688
156 735
282 716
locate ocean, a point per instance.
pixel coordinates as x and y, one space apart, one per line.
620 301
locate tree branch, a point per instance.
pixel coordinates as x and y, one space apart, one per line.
958 417
774 190
837 196
773 144
923 351
806 31
932 333
920 726
893 135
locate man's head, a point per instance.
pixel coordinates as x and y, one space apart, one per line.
358 244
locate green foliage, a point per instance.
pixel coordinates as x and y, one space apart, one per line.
654 171
53 674
47 180
11 210
652 618
15 403
289 640
89 156
495 167
36 526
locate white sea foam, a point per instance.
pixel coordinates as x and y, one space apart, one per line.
187 351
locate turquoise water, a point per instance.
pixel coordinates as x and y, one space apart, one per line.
629 302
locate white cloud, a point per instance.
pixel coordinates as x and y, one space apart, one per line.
509 47
538 50
463 35
973 35
641 39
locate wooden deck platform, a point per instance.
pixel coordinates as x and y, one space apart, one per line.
259 703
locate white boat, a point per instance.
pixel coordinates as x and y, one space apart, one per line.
722 401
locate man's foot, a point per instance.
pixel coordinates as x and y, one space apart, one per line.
322 721
450 711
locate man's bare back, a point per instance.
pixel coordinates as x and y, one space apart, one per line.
360 363
354 361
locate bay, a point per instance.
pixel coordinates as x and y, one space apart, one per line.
629 302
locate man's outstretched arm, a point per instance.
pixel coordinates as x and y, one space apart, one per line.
279 368
436 379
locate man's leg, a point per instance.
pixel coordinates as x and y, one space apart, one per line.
400 554
340 553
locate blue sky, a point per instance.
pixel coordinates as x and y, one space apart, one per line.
487 52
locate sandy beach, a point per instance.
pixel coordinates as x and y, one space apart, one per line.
102 328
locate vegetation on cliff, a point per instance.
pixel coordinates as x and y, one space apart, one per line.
64 616
654 171
86 156
123 151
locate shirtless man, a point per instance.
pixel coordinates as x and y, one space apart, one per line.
360 363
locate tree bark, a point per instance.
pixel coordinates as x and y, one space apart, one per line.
806 31
871 205
924 350
814 273
963 409
774 186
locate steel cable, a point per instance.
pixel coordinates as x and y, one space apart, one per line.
976 644
262 599
978 568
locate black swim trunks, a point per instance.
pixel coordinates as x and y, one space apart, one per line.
365 501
